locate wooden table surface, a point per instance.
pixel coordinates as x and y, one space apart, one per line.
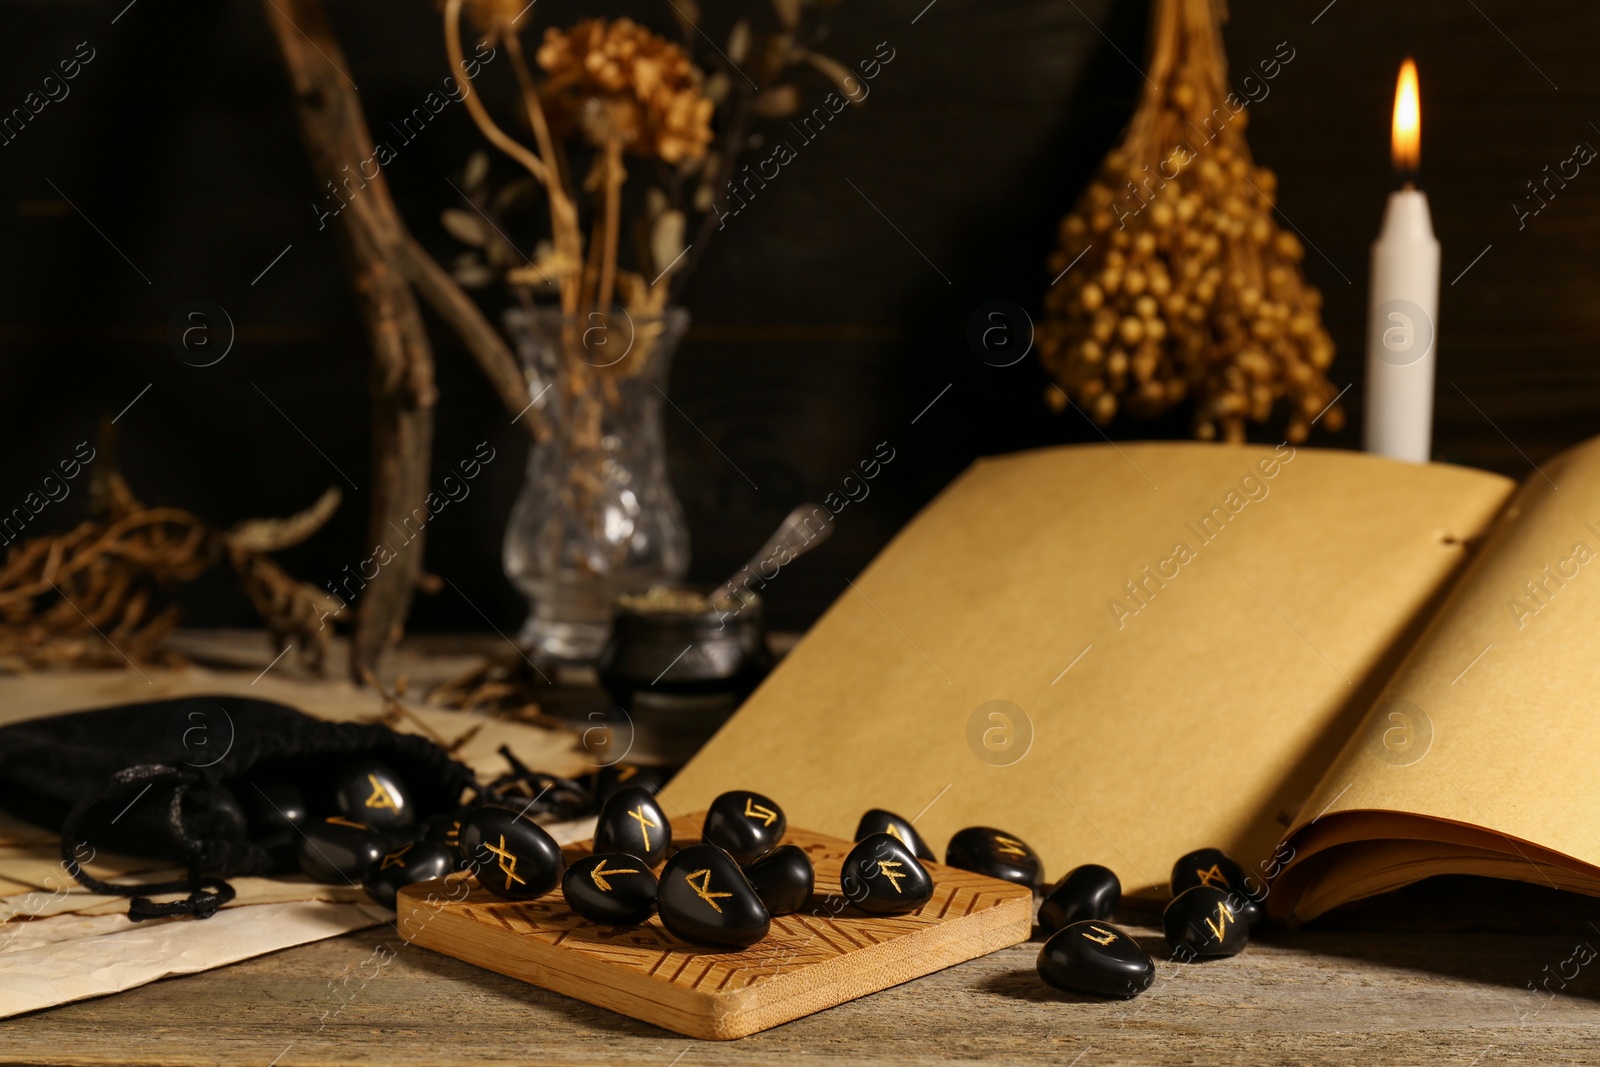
1439 973
1436 975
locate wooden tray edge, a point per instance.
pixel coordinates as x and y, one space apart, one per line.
675 1007
870 970
739 1013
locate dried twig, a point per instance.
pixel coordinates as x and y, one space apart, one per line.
503 685
395 711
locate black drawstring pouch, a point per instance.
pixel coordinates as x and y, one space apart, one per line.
172 779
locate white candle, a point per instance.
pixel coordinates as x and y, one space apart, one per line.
1403 302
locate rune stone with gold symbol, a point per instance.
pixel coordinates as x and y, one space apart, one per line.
881 876
890 869
506 859
633 823
395 859
610 888
703 888
598 873
511 855
371 792
745 825
646 824
705 898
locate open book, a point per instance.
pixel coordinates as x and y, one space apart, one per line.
1347 672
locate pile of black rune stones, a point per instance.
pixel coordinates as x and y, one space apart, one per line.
1212 911
1213 908
725 890
377 841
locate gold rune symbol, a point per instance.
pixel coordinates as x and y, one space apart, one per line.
599 875
394 859
703 890
1224 916
759 812
1215 872
1106 940
507 862
646 824
340 820
894 832
890 869
381 797
1010 846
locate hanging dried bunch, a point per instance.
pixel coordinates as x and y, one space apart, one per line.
90 596
1186 287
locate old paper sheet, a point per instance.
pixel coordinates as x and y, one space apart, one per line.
73 957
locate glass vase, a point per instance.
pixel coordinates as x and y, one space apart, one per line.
596 516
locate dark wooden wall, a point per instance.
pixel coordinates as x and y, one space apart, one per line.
819 329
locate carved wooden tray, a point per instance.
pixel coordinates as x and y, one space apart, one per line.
825 955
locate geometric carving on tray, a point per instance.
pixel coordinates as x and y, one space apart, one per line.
826 954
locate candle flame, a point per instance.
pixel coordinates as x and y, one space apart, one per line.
1406 142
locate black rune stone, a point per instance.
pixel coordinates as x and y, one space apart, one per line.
881 876
1211 866
274 809
1087 892
995 853
783 879
627 776
218 811
1204 921
705 898
445 830
745 825
878 821
372 793
339 851
420 861
633 822
610 887
1095 957
512 856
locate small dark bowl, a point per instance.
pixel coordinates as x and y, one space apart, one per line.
681 674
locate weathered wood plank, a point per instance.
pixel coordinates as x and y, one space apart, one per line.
1437 975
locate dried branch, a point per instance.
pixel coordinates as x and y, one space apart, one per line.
434 284
275 535
387 270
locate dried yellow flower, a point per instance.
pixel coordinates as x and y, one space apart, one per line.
620 83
